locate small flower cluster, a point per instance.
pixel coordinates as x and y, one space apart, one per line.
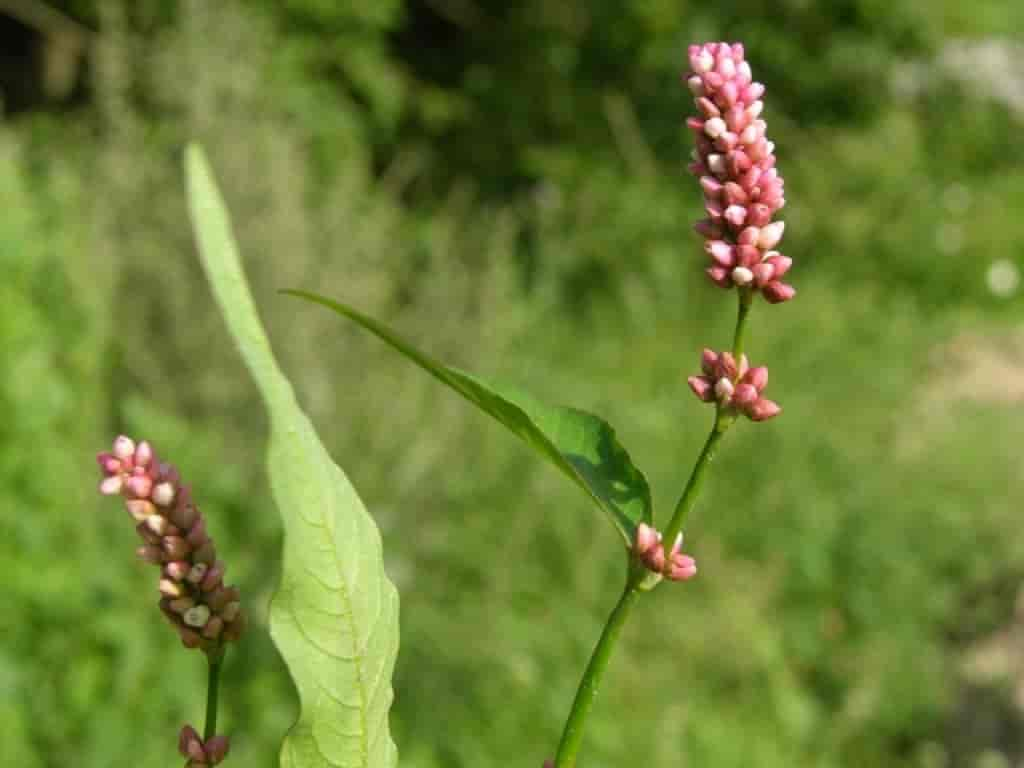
674 566
735 385
212 752
204 611
736 167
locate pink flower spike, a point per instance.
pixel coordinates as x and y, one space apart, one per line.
731 145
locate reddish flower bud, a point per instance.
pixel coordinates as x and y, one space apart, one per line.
177 569
776 292
763 410
216 749
190 745
702 387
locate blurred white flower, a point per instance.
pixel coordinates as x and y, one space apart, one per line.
1003 278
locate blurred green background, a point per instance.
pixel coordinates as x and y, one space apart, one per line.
504 183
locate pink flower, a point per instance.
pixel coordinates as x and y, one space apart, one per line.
204 611
735 163
733 384
648 549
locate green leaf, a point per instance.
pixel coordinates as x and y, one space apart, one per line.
335 615
581 445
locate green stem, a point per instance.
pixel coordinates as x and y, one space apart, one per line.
212 687
696 482
746 301
572 736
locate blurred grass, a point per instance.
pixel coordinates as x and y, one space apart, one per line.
851 552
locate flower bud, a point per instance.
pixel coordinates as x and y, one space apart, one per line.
124 447
177 570
171 588
181 604
163 494
723 390
231 611
197 616
216 749
190 745
742 276
197 572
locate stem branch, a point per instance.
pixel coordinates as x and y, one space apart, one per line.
572 735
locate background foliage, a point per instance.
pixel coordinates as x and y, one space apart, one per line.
503 183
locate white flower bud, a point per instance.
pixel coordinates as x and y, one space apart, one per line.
724 389
742 276
163 494
158 524
197 616
111 486
770 235
124 447
716 163
715 127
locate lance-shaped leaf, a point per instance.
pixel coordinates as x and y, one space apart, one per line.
335 615
581 445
